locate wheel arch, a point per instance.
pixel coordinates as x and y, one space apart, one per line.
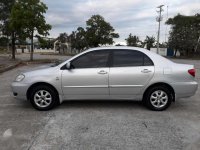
168 86
41 83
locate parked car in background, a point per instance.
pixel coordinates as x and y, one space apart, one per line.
108 73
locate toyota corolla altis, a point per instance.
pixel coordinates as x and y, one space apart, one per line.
108 73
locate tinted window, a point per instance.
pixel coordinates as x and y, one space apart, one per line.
147 61
127 58
122 58
95 59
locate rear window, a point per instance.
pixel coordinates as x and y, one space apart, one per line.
122 58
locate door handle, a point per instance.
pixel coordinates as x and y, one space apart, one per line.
102 72
146 71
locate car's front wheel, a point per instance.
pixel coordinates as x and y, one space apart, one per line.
158 98
43 97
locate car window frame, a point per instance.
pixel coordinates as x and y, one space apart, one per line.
112 58
107 63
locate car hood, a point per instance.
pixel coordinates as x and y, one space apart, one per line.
41 70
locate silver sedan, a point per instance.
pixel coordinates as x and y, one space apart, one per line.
108 73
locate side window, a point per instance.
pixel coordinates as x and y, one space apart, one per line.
123 58
95 59
147 61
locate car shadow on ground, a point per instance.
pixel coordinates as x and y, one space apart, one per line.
100 104
89 104
105 104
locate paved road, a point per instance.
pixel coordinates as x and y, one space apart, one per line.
4 61
99 125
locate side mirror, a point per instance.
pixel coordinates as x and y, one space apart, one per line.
68 65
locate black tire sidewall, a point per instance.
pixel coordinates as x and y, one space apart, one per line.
153 89
46 88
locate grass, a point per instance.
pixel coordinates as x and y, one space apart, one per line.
38 61
3 51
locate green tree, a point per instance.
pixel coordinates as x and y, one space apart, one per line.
81 38
99 32
3 41
78 39
63 38
45 42
28 16
149 41
42 42
73 40
5 9
132 40
184 34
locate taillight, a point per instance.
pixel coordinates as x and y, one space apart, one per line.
192 72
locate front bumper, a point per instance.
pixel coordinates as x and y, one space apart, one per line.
19 90
185 89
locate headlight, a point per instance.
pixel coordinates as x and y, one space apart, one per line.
19 78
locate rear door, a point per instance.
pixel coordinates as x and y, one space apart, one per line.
130 71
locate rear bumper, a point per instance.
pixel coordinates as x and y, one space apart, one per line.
185 89
19 90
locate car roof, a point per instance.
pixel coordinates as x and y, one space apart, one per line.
148 52
118 47
157 59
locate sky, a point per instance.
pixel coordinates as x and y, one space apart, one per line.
126 16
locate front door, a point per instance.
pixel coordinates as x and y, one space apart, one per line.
88 78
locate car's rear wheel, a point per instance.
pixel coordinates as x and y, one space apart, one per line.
158 98
43 97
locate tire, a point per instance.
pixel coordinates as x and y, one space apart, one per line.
43 98
158 98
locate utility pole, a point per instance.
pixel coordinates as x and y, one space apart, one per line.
166 27
159 19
